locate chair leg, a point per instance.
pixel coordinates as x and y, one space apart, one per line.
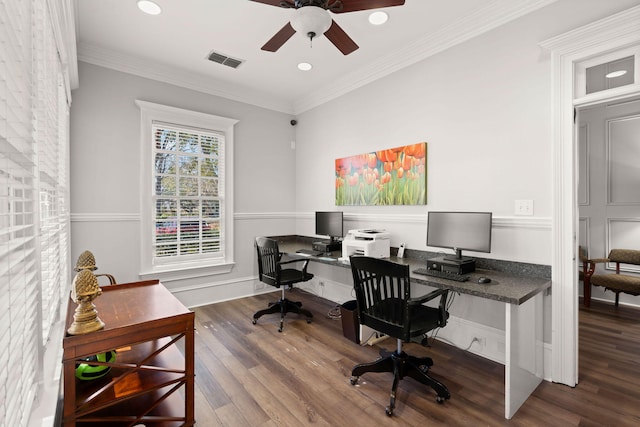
586 292
384 364
283 306
401 365
296 307
413 369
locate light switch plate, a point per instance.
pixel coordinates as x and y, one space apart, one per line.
524 207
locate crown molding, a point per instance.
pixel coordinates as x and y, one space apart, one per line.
622 27
491 15
107 58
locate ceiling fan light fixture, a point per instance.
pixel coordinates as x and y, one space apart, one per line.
378 18
149 7
614 74
312 21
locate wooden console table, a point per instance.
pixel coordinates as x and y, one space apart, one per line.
152 380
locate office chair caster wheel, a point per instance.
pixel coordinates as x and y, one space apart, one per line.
388 411
279 329
440 399
254 321
354 380
308 321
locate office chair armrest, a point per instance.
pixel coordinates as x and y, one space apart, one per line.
112 280
291 261
427 297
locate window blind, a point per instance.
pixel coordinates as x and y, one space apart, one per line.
188 192
18 255
34 260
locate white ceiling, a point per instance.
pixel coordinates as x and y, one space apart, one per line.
174 45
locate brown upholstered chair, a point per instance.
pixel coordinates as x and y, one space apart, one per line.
614 282
584 261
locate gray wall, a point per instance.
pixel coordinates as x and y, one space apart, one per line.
483 106
105 177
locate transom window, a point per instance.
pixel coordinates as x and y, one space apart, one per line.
606 73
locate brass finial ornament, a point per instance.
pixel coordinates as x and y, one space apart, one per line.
86 261
84 290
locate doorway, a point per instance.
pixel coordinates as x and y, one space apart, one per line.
566 50
608 199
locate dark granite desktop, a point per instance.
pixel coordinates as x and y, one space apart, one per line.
511 282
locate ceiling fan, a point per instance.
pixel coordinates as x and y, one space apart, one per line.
312 19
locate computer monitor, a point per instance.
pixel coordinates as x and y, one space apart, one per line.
330 224
459 231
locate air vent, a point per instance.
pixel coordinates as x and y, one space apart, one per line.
224 59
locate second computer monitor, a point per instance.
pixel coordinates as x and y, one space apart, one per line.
330 224
459 231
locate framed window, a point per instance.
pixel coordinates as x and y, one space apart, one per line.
187 203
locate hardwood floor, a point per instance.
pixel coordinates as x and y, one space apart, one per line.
251 375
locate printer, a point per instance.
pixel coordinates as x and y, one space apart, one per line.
367 242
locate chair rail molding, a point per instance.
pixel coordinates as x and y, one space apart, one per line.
105 217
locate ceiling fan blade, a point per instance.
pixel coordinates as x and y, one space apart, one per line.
340 39
280 38
355 5
277 3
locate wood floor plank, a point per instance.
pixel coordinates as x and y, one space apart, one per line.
252 375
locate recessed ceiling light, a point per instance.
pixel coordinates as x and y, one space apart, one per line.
304 66
378 18
147 6
614 74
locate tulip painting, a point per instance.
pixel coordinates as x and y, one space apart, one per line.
397 176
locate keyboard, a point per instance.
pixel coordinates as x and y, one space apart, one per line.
309 252
441 274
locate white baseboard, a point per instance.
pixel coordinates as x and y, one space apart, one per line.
459 332
478 339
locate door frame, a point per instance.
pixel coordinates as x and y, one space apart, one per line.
566 50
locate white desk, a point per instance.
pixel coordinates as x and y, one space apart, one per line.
522 297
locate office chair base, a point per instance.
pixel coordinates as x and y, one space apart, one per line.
283 306
402 365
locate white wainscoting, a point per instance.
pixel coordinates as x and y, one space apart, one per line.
336 286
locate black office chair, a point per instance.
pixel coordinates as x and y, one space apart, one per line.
270 271
383 292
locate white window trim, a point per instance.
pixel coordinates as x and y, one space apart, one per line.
150 112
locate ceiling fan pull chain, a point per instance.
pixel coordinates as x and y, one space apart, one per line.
311 35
